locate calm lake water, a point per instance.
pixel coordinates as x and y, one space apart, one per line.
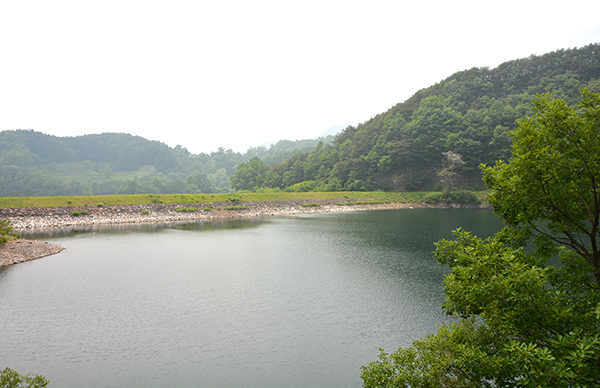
299 301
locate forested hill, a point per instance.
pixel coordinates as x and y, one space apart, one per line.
469 113
36 164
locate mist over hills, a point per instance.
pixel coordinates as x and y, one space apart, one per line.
36 164
470 113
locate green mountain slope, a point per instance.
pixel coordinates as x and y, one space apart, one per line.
36 164
470 113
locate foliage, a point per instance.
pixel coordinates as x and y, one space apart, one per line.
518 320
6 231
237 207
186 209
551 186
448 174
11 379
471 114
78 213
311 204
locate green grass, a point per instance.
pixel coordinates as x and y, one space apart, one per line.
145 199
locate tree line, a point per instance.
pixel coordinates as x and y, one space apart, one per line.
36 164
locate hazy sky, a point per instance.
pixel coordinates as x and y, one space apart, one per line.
235 74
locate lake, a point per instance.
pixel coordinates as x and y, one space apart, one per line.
298 301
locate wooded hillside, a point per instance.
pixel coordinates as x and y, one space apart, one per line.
471 113
36 164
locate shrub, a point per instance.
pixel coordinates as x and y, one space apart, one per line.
186 209
207 209
6 231
145 211
237 207
83 212
302 187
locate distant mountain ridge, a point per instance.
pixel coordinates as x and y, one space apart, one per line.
36 164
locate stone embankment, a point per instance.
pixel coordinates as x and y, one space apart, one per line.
48 219
24 219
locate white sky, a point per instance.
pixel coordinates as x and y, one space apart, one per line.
235 74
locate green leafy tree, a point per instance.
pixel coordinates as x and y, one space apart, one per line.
201 183
11 379
249 175
518 320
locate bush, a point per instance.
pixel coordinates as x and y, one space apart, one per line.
462 197
145 211
6 231
237 207
186 209
83 212
207 209
312 204
302 187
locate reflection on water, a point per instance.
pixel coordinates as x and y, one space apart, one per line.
280 302
50 233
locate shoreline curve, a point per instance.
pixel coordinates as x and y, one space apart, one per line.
27 219
41 219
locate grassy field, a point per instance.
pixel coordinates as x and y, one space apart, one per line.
107 200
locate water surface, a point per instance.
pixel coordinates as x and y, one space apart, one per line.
298 301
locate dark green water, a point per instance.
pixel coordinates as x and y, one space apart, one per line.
280 302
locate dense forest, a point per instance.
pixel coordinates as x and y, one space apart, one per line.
36 164
471 113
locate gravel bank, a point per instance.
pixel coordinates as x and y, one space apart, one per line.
18 251
39 219
24 219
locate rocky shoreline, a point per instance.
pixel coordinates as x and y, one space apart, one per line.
24 219
19 251
44 219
